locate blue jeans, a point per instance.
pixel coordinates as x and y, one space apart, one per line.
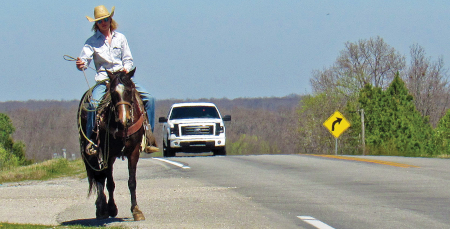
97 94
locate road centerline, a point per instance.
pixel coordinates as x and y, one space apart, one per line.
314 222
401 165
173 163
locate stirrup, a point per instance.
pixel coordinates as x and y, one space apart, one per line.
91 149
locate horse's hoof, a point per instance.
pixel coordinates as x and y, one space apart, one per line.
112 210
138 217
102 210
137 214
102 216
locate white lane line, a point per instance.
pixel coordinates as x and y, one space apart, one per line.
173 163
314 222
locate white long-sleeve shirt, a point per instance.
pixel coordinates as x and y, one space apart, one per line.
112 57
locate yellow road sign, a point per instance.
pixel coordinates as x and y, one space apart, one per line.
337 124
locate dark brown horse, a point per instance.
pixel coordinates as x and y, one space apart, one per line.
118 132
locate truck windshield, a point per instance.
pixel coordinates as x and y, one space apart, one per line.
194 112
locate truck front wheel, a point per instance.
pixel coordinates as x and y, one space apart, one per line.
220 152
167 150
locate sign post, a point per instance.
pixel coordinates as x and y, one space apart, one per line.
336 124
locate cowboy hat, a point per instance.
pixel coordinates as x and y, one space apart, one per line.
101 12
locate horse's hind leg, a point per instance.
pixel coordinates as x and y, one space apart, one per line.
132 165
110 185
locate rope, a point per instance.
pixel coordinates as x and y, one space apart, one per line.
69 58
84 105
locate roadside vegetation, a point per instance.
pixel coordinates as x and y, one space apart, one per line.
12 153
32 226
46 170
404 107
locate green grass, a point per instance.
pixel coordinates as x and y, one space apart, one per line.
44 171
31 226
50 169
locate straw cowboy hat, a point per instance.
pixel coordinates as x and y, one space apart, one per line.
101 12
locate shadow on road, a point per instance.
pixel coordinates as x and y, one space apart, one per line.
94 222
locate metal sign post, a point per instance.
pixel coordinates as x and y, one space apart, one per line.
335 151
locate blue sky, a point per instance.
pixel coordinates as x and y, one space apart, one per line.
207 49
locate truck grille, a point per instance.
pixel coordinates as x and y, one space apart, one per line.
197 130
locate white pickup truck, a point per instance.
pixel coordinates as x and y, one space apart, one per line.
193 127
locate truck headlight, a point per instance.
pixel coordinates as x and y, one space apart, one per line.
175 130
219 129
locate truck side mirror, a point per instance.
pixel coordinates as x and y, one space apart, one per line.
226 118
162 119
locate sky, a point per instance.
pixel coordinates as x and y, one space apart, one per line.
185 49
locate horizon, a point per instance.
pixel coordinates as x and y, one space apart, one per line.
187 99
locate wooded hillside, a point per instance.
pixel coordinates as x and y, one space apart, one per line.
259 125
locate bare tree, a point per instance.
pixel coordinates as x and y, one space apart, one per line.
366 61
428 82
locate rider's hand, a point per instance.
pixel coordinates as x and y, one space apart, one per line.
80 64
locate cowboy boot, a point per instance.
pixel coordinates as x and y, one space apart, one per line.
91 149
151 147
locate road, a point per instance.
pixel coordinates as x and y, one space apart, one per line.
266 191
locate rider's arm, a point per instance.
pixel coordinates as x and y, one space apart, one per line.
85 57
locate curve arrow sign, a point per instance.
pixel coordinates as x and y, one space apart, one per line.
336 124
338 120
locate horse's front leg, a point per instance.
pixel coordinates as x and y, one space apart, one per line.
132 165
110 185
100 203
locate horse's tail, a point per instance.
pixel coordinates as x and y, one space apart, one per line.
92 185
91 180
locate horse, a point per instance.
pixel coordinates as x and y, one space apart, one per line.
118 132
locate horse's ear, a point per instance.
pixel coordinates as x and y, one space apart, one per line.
110 75
131 73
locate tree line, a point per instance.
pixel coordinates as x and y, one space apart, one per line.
47 127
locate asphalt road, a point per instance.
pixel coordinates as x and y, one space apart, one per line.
268 191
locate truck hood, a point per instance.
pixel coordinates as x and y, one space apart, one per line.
195 120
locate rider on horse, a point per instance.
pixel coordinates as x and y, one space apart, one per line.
110 52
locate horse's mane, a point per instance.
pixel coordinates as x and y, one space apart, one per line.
126 81
104 104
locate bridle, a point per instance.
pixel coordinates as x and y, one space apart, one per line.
124 103
121 101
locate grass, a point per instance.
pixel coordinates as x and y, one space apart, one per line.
44 171
31 226
50 169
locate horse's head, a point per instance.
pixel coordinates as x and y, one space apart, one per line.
122 89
